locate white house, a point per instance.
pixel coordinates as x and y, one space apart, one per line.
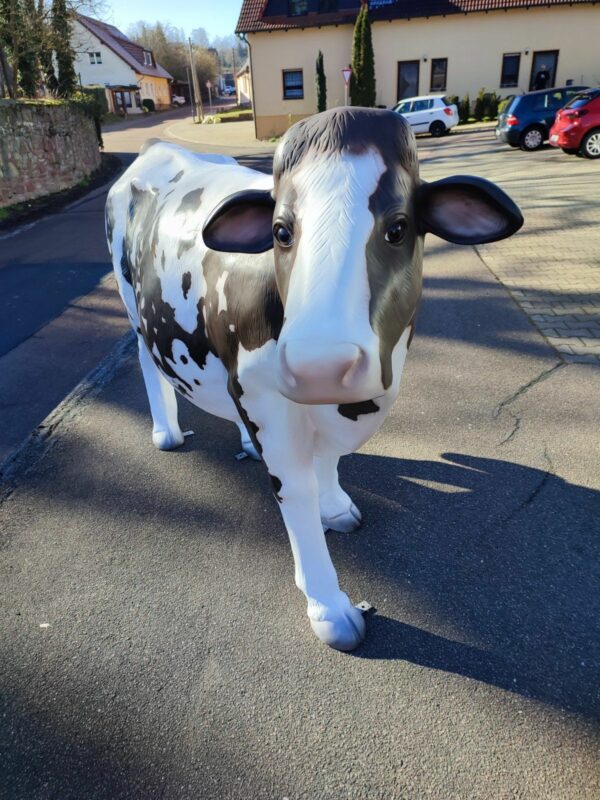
129 73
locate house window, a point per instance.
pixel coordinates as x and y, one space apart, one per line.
297 8
95 58
510 69
439 70
147 58
293 84
328 6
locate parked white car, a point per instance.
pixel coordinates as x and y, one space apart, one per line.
432 114
178 100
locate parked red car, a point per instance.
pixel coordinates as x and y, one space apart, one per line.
576 129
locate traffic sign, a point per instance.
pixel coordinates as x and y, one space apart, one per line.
347 73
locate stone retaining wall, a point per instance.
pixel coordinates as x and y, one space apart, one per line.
43 149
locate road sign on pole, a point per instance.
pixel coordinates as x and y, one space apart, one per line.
346 74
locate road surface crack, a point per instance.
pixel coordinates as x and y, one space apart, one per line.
547 373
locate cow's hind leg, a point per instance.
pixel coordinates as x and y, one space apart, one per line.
338 512
166 433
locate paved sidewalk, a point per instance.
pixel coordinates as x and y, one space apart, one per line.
552 266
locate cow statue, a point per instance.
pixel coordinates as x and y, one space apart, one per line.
287 304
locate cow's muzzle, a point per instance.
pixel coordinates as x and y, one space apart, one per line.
314 373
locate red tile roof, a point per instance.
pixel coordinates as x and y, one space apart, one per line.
252 16
130 52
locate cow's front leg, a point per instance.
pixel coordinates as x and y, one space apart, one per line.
286 437
338 512
166 433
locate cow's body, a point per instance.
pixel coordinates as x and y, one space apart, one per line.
303 351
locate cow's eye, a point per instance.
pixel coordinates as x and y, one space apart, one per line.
395 234
283 235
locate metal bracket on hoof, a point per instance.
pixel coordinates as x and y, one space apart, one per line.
241 456
188 433
365 607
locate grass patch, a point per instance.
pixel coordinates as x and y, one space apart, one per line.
231 115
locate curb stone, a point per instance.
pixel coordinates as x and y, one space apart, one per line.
43 438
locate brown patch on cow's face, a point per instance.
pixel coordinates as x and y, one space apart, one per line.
394 269
285 214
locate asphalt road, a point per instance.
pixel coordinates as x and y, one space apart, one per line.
155 646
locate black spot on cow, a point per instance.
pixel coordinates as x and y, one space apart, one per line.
354 410
138 330
197 382
110 221
183 359
177 177
276 487
163 259
186 284
190 201
125 268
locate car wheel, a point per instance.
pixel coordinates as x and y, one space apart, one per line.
437 128
532 139
570 151
590 147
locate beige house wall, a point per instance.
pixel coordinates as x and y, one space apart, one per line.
156 89
472 43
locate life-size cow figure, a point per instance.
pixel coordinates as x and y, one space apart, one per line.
286 304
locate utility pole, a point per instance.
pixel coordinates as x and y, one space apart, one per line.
198 116
191 91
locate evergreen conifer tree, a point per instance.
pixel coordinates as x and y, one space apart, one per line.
61 34
362 82
29 65
321 82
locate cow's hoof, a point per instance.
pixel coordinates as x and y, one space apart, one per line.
248 445
345 632
167 440
346 522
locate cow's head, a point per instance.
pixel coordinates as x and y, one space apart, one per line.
346 218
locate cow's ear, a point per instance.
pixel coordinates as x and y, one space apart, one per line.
467 210
242 223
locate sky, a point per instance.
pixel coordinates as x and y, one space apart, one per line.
217 18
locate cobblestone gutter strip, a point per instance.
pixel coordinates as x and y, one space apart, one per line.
44 437
560 296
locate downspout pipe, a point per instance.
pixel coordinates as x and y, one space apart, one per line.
242 36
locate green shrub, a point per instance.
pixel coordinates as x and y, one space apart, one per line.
503 104
464 110
92 103
453 100
478 110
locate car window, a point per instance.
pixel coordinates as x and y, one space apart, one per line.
556 100
404 107
422 105
521 102
578 101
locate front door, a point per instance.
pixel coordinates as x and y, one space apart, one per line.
408 79
543 70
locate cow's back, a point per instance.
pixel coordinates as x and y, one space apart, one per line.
190 304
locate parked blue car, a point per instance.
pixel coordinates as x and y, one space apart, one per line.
527 120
